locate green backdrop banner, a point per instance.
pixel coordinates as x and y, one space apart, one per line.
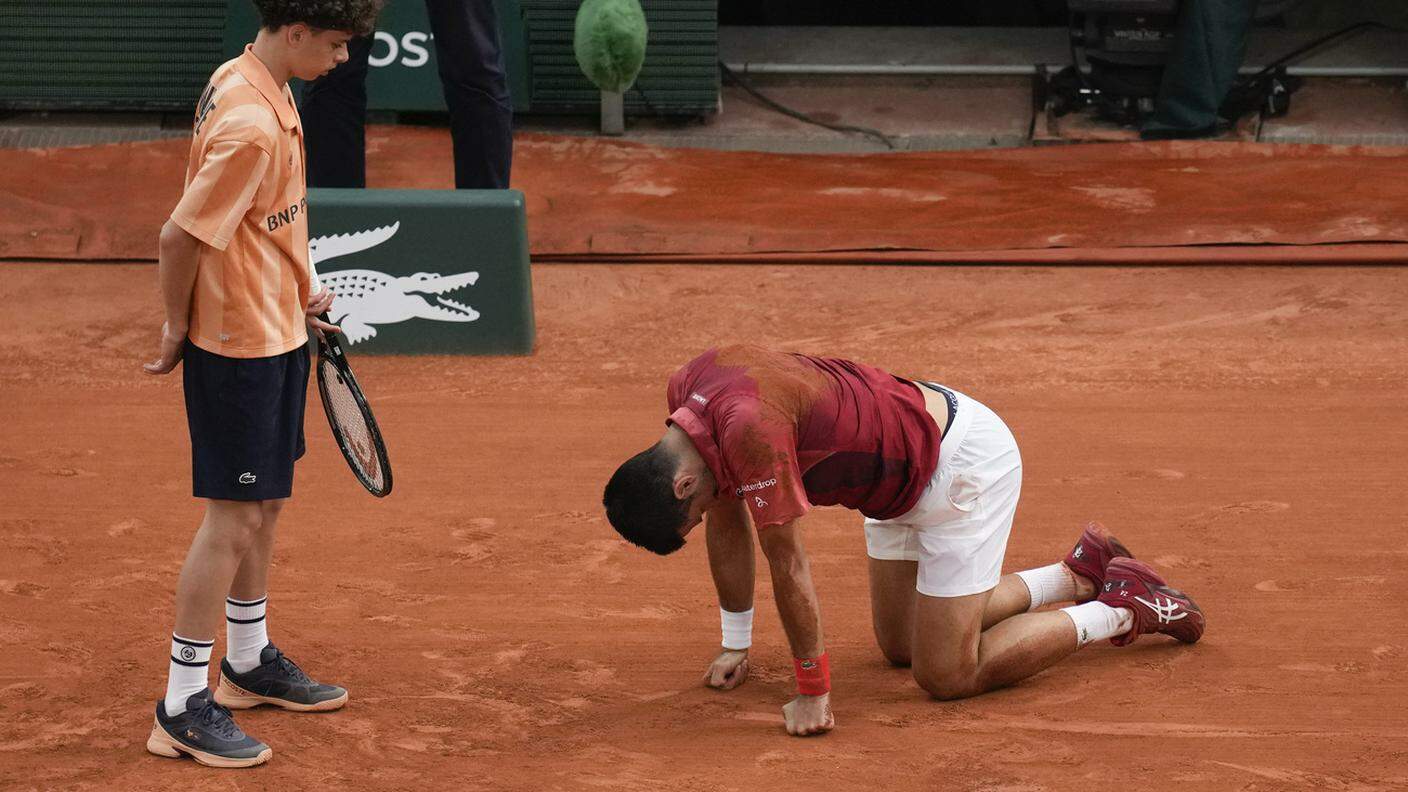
403 72
425 271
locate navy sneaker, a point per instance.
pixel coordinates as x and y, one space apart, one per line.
205 732
276 680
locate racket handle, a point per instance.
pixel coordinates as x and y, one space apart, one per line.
330 338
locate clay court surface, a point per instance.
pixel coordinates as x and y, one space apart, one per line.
1242 428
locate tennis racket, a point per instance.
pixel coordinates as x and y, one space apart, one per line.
353 425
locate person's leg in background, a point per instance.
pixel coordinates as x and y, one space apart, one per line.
472 72
1209 48
334 113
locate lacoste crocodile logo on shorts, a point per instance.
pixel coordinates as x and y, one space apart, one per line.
188 654
246 478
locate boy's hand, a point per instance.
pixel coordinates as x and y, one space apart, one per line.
173 342
318 304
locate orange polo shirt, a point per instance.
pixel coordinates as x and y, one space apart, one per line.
246 199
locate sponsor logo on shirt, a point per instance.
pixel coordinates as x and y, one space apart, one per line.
757 485
698 398
204 106
285 216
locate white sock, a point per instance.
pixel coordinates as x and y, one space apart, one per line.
1049 584
1096 621
246 632
189 672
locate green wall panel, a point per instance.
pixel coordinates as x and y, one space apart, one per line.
403 75
680 75
107 54
157 55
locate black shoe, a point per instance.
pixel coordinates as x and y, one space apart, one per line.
205 732
276 680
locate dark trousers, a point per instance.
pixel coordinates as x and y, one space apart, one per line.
466 32
1208 50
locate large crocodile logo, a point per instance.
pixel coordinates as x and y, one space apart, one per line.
367 298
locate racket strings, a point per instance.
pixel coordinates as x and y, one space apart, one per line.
351 424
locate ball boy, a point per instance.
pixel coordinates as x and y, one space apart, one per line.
235 284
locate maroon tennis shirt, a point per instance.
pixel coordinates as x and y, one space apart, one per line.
786 432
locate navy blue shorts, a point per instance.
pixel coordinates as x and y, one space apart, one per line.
246 419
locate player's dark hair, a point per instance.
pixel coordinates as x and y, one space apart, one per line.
348 16
641 504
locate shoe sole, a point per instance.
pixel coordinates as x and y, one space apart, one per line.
232 696
163 744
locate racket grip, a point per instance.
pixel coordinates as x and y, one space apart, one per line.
330 338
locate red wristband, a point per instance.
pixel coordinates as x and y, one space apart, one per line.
813 675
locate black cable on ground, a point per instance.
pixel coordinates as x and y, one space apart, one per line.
1268 91
1250 92
733 78
1307 47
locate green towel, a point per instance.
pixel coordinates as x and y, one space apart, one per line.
610 42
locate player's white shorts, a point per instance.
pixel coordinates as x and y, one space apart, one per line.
958 530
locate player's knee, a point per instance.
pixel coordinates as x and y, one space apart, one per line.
947 684
897 657
895 649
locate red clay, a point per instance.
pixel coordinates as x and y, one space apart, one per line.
589 197
1242 429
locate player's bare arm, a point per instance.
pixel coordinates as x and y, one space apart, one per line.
809 712
179 256
729 537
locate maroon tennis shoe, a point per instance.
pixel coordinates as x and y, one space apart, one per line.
1095 549
1157 607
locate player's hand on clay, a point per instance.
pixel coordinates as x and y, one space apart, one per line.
173 343
318 304
808 715
728 671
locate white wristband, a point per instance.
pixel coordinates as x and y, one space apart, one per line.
738 628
